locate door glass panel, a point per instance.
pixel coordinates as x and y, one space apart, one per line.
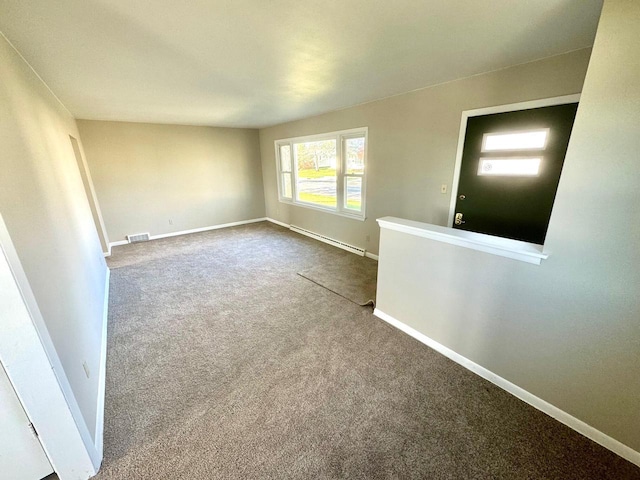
353 199
511 167
316 168
527 140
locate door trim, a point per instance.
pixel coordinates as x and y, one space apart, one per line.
37 376
90 191
511 107
20 443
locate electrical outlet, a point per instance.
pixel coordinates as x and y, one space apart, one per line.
170 222
86 369
443 188
368 237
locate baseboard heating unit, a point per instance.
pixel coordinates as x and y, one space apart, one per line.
330 241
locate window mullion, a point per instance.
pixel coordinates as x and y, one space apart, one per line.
341 186
294 173
290 173
279 169
294 187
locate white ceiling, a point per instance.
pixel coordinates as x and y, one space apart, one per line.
253 63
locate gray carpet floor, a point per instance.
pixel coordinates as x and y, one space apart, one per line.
224 363
352 277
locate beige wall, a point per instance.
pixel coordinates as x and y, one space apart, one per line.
568 330
43 203
146 175
412 144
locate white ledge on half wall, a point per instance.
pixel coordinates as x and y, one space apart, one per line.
505 247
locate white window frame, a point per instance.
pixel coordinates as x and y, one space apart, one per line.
341 176
513 107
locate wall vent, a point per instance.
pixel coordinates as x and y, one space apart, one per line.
138 237
330 241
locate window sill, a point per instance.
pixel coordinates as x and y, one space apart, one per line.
361 218
504 247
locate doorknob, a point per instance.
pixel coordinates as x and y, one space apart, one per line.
458 219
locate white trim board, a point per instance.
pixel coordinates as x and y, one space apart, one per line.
99 430
560 415
278 222
504 247
194 230
34 368
206 229
89 188
544 102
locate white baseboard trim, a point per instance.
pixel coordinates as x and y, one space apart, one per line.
194 230
99 430
278 222
206 229
563 417
328 240
286 225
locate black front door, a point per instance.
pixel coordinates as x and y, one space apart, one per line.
511 165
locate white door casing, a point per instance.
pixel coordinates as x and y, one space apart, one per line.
21 455
36 375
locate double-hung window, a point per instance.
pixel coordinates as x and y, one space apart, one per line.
325 172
